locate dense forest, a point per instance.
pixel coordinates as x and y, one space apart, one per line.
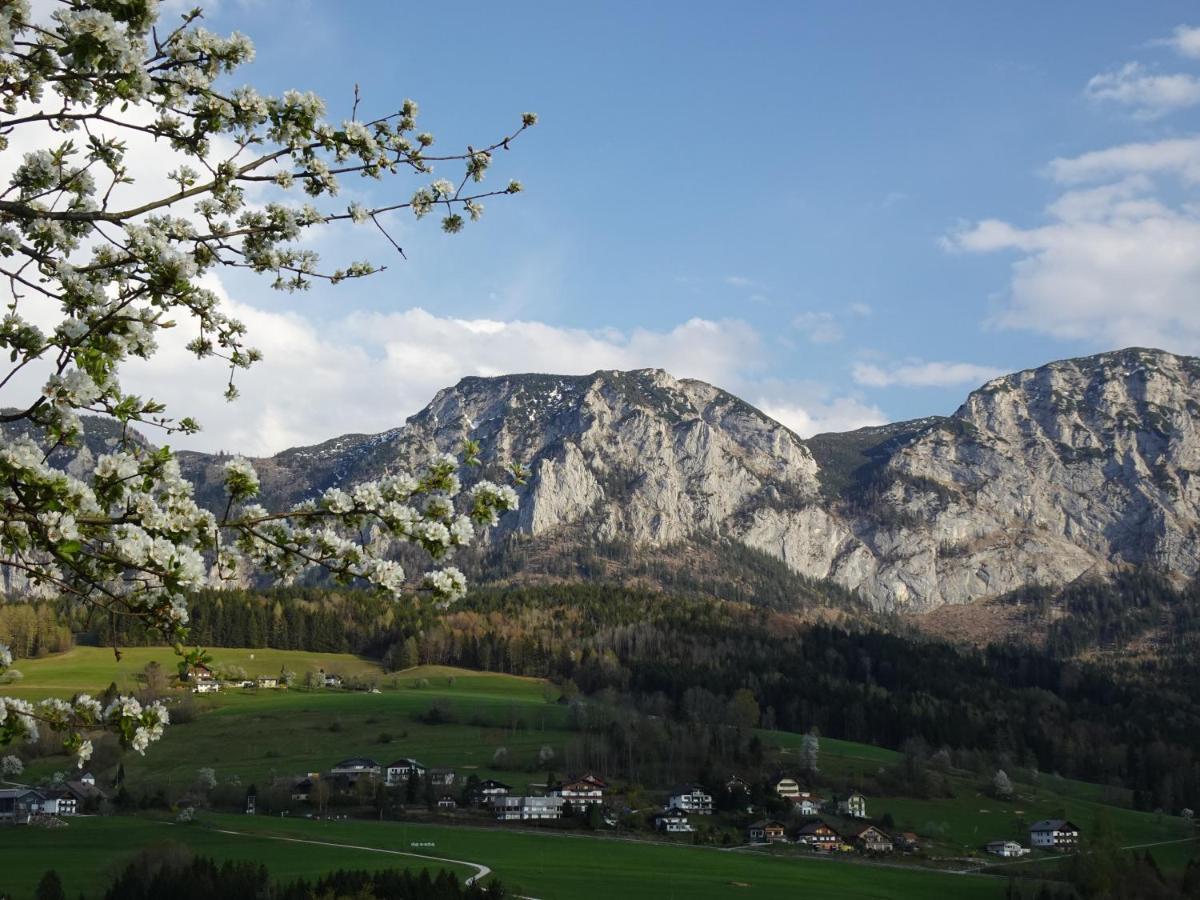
1129 723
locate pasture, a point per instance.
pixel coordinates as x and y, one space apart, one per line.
546 865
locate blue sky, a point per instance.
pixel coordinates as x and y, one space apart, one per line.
859 202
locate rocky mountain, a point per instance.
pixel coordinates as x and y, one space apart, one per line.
1080 467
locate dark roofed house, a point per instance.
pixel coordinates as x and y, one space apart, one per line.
766 831
18 804
355 767
872 839
401 770
819 836
484 792
586 789
1054 834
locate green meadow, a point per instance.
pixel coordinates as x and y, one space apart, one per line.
545 865
256 735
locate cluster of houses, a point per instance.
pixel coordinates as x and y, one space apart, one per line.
20 805
507 806
204 681
693 800
1048 834
821 836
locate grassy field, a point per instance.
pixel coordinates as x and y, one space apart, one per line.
257 735
88 852
92 669
546 865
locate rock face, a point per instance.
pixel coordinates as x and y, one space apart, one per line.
1076 467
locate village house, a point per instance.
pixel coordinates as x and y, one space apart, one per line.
354 768
785 787
1006 848
83 791
267 681
766 831
525 809
691 798
442 778
401 770
304 787
672 821
808 804
1054 834
447 802
198 672
586 790
872 839
59 802
854 805
484 792
907 840
206 686
819 836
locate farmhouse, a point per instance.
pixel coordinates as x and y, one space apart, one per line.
18 804
586 789
872 839
691 798
83 791
524 809
766 831
401 770
59 802
819 836
1054 834
854 804
206 686
355 767
267 681
672 821
1006 848
785 787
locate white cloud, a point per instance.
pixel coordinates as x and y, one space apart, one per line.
817 416
1174 156
863 310
1149 95
1184 40
1115 263
916 373
368 372
818 327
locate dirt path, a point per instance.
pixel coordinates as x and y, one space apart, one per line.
481 871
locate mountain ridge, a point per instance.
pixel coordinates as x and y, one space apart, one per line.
1082 466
